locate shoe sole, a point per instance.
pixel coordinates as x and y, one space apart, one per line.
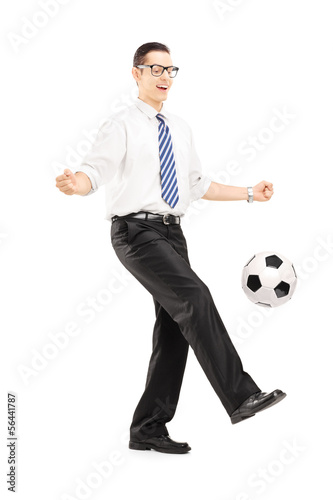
143 447
264 406
238 418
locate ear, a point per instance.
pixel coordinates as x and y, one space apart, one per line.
136 74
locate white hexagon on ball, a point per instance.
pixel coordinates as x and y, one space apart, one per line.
269 279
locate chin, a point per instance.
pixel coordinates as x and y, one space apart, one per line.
162 97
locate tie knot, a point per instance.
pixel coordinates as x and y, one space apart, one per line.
160 118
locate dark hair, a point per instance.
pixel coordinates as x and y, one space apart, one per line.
140 54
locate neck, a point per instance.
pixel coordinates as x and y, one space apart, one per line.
154 104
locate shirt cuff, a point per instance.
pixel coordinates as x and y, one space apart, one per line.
200 188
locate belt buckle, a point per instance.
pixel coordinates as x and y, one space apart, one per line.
167 223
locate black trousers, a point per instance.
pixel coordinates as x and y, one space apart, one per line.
156 255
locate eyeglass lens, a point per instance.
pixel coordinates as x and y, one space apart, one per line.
158 70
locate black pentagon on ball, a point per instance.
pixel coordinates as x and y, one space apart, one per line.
273 261
253 282
282 289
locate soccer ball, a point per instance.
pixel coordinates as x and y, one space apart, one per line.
269 279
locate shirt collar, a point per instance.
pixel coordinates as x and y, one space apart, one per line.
149 110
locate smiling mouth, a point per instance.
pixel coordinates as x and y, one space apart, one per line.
163 88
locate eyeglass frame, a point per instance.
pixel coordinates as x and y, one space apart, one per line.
160 65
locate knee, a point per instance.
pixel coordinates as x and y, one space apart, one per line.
199 297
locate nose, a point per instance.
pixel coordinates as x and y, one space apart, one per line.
165 75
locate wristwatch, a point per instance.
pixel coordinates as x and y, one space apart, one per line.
250 192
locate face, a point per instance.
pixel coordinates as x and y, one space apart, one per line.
149 85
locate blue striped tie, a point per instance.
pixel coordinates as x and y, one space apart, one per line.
168 168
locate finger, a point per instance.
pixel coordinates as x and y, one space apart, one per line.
69 174
65 189
64 186
68 188
64 183
61 177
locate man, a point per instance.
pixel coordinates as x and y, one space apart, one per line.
146 157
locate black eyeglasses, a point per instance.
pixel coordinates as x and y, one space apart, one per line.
157 70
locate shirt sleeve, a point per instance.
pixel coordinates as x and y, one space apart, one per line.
107 152
199 182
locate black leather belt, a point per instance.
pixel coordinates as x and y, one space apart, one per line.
166 219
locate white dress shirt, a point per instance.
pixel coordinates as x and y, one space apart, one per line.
125 157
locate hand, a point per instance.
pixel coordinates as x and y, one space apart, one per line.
263 191
67 182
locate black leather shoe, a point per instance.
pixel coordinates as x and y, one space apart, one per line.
257 402
162 443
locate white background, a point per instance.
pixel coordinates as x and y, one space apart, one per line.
238 63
